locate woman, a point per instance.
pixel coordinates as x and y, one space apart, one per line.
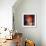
29 20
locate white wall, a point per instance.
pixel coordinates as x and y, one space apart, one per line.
28 6
38 7
6 13
43 22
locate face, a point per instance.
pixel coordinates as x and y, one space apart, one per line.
29 19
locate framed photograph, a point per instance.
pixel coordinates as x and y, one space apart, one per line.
29 20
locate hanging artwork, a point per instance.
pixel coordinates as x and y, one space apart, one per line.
29 20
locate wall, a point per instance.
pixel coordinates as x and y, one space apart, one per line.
6 13
43 22
28 6
6 16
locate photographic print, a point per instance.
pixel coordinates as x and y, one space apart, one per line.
29 20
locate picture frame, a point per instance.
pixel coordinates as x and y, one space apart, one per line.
29 19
